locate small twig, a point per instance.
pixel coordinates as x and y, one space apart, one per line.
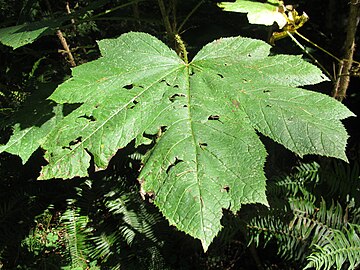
62 40
317 46
67 6
66 47
338 76
189 15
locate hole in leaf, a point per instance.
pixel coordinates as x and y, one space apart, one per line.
69 108
173 97
249 55
163 128
225 64
214 117
226 189
163 80
268 105
220 75
133 105
74 142
185 106
129 86
203 145
177 161
266 91
176 86
88 117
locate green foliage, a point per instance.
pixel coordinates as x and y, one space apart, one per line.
305 228
75 225
198 123
120 232
342 247
23 34
45 238
20 35
194 104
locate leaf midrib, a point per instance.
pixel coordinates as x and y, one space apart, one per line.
189 106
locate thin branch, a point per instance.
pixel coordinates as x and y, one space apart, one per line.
67 6
189 15
317 46
339 91
311 56
66 48
165 16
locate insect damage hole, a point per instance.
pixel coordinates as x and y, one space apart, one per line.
225 189
72 143
134 102
88 117
203 145
129 86
214 117
177 161
220 75
175 96
164 81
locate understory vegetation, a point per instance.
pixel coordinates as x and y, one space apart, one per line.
155 134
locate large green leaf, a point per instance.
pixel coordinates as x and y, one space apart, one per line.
257 12
208 155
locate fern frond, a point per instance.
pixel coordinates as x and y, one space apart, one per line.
317 223
103 245
341 179
343 247
275 226
297 220
76 235
295 184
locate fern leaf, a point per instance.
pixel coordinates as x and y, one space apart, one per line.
77 233
343 248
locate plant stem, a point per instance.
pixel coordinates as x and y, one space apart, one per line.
189 15
165 16
62 39
66 47
317 46
339 91
182 47
67 6
311 56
